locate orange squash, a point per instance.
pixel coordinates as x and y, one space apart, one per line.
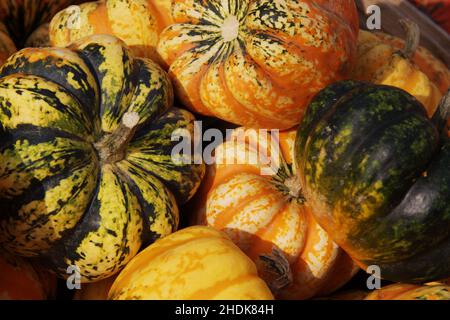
196 263
138 23
20 280
262 210
257 63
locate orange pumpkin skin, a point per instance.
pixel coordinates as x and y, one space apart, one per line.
401 291
257 63
138 23
260 215
20 280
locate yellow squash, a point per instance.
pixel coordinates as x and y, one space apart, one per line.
197 263
383 59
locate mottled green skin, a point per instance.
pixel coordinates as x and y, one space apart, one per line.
377 176
60 200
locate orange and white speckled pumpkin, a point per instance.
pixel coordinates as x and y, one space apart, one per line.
20 280
196 263
138 23
257 63
264 214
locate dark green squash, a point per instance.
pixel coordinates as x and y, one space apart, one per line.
376 172
86 171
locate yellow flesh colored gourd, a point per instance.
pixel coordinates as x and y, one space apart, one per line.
196 263
381 63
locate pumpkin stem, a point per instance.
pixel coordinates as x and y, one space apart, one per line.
442 114
293 185
112 147
412 41
288 183
277 265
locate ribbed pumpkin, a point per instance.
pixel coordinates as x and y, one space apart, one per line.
137 22
261 210
376 174
382 60
401 291
20 280
86 174
95 290
197 263
20 18
257 63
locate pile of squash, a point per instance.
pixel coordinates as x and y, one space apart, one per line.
91 94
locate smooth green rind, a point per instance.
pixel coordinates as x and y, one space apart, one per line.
364 153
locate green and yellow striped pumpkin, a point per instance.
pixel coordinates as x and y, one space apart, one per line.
86 174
